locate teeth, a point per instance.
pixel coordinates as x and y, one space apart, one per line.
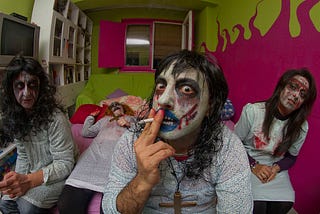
168 121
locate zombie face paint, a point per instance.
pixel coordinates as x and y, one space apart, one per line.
26 89
185 100
116 108
293 95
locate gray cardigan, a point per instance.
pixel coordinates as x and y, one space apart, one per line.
51 150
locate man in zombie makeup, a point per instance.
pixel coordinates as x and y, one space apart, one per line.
186 160
273 133
37 123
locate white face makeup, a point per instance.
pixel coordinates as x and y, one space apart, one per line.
185 101
117 109
293 95
26 89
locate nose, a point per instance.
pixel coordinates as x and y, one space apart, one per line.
296 94
26 91
166 100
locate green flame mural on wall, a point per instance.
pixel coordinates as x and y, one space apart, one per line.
232 13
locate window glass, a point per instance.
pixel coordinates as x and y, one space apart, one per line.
137 45
167 40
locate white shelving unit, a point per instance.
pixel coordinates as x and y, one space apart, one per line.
65 45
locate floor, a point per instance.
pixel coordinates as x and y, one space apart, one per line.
292 211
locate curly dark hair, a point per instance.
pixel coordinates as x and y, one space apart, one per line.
16 121
293 128
209 141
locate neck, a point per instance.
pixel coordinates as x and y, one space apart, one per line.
183 144
282 110
280 116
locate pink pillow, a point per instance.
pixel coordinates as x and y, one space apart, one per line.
82 142
85 110
116 93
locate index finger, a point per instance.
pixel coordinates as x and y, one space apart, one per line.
150 131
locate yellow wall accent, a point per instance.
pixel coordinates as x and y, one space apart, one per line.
206 28
294 25
315 16
270 9
22 7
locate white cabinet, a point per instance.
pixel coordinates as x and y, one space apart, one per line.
65 43
83 47
62 42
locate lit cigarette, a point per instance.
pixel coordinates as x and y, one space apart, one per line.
148 120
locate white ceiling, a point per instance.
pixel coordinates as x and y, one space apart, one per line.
182 5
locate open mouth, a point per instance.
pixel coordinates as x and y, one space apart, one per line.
292 102
170 122
115 109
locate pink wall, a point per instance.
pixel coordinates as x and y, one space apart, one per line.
252 67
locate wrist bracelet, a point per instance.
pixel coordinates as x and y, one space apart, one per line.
253 164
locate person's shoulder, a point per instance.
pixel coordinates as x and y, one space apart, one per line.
231 143
229 135
59 115
254 107
57 111
257 105
230 138
305 126
125 144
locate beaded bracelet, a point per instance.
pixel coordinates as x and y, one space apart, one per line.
253 164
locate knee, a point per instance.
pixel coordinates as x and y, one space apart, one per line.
65 204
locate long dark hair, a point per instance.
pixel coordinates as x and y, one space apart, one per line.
292 129
16 121
209 140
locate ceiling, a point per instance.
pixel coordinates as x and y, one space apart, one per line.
182 5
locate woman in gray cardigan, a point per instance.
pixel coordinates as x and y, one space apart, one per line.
41 132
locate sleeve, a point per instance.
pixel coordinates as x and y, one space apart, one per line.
22 165
252 161
233 182
91 129
243 126
286 162
123 170
62 148
290 157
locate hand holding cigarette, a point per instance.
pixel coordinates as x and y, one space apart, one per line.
148 120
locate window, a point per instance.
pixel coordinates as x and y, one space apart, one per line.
166 40
140 44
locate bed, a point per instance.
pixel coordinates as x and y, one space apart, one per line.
135 103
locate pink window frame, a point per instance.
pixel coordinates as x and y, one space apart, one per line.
150 22
127 22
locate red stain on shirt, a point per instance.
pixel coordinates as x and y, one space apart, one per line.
259 143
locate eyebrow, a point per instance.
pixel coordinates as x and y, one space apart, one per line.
160 79
301 85
188 80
